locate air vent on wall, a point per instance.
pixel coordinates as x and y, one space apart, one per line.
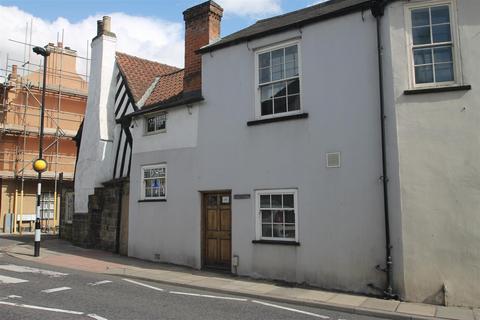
333 160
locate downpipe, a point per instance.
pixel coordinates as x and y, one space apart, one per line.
378 8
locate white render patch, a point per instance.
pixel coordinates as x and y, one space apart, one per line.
23 269
56 289
5 279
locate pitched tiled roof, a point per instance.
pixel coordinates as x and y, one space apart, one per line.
140 75
289 20
168 88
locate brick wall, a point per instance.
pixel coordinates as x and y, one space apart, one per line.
202 25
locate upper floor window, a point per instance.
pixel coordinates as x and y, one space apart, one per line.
432 45
156 123
278 81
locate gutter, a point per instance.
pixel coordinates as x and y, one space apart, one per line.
295 25
378 8
187 99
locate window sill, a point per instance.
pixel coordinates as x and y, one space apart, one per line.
277 119
277 242
438 89
153 200
146 134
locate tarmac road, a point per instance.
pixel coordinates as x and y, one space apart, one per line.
29 290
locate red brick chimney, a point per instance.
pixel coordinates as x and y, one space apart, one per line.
202 26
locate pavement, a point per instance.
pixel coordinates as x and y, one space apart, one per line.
61 253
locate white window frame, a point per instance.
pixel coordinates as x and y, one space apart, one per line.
142 181
154 115
258 216
47 205
258 102
457 70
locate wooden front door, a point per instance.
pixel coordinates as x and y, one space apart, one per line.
217 230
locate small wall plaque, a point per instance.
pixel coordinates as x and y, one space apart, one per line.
225 200
241 196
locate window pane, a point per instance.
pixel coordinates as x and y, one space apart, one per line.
264 75
278 216
277 57
212 200
422 56
440 15
267 107
441 33
293 86
424 74
266 92
294 103
421 35
420 17
280 105
443 54
264 60
150 124
291 69
266 216
278 231
276 200
290 231
279 89
288 200
265 201
444 72
267 230
277 72
289 216
148 192
291 61
291 53
160 122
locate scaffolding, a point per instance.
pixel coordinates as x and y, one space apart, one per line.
20 118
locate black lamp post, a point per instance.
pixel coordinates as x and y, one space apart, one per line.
40 165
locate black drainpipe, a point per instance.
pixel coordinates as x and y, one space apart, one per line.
377 8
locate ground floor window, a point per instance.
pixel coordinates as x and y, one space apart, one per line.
154 179
277 214
47 204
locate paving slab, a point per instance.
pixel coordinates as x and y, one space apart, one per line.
316 295
380 304
259 288
347 300
416 309
210 282
455 313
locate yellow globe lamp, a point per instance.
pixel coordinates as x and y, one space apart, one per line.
40 165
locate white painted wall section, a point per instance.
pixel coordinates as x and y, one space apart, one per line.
95 159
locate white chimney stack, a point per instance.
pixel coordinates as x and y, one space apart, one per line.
97 136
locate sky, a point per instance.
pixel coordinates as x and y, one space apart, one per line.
151 29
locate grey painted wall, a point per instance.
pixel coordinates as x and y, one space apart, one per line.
341 222
438 150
